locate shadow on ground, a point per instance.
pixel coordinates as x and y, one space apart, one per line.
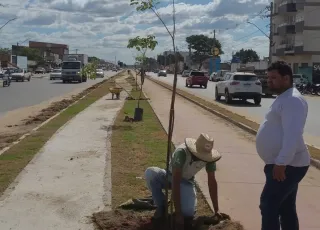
239 103
116 127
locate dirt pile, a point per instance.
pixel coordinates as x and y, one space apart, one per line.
129 220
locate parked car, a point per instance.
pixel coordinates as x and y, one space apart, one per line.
213 76
239 85
220 75
197 78
185 73
114 69
162 73
55 74
21 75
5 78
40 70
99 73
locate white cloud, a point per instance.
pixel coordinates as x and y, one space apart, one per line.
103 27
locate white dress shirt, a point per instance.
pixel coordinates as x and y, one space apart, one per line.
280 137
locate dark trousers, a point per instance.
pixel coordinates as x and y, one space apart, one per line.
278 199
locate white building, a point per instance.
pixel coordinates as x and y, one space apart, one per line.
259 65
296 33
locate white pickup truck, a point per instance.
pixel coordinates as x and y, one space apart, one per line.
20 75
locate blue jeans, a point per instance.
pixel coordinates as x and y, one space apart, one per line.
156 179
278 199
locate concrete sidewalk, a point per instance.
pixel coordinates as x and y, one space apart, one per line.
70 178
240 171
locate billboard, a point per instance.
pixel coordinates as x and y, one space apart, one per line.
20 61
316 73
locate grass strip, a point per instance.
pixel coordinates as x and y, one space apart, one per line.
18 156
136 146
315 152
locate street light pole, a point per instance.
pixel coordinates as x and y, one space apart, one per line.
213 57
7 22
270 37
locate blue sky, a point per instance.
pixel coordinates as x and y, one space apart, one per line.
103 27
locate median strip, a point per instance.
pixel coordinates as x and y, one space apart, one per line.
234 118
136 146
13 160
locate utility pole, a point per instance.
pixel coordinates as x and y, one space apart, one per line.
165 59
214 46
213 57
271 33
115 60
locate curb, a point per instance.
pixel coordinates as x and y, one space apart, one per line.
314 162
49 119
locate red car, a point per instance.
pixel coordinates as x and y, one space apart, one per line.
197 78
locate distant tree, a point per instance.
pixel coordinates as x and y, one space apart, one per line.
180 57
120 63
32 54
93 59
168 59
201 46
5 51
247 55
161 59
185 67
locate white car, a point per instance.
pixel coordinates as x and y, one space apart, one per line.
99 73
55 74
21 75
239 85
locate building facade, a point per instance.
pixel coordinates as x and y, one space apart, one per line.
50 50
296 34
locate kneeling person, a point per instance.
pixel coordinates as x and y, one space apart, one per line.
186 161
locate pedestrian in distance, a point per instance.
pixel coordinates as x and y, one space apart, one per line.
281 146
186 161
142 74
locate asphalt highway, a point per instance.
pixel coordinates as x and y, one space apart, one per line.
39 89
249 110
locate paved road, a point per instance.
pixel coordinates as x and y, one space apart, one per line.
39 89
256 113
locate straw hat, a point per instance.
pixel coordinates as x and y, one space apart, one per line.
202 148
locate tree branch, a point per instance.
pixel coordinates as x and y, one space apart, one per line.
157 14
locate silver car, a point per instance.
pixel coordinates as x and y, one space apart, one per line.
99 73
162 73
55 74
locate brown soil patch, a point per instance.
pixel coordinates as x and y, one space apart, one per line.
128 220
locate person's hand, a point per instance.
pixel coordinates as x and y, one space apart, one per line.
222 216
218 214
279 172
179 219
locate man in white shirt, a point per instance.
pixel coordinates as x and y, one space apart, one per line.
281 146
